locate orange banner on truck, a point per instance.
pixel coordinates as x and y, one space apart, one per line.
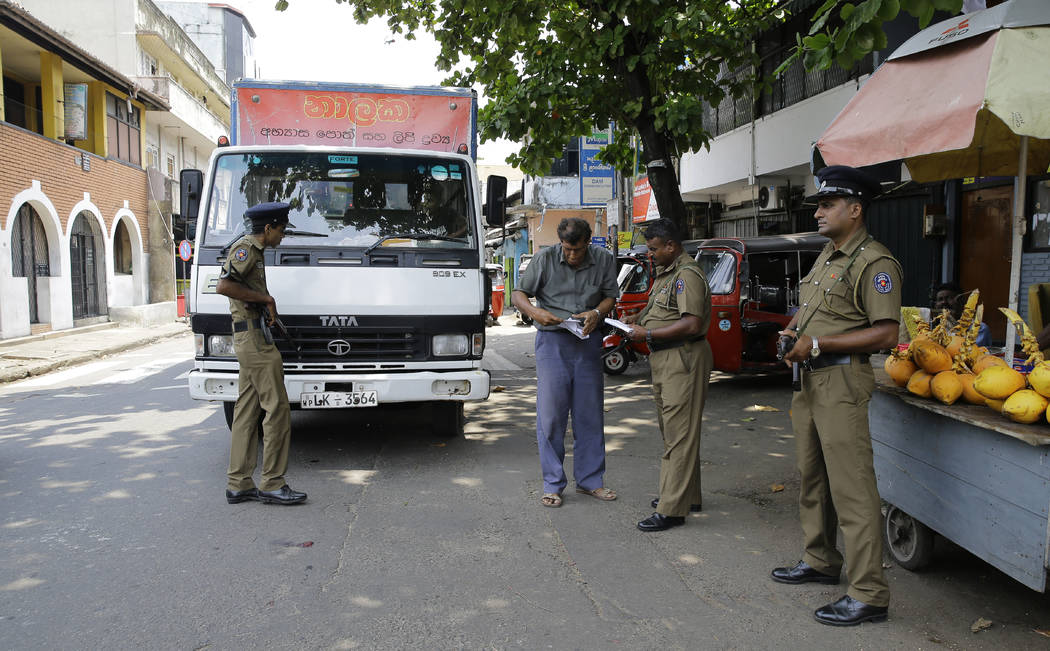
295 116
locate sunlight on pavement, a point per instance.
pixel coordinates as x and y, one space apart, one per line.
21 584
357 477
366 602
470 482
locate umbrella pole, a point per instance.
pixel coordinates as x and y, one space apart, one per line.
1020 186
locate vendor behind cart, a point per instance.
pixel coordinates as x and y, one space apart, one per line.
850 306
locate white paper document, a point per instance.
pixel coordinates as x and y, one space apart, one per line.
619 325
575 326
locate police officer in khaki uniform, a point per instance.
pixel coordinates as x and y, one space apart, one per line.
850 307
674 325
261 377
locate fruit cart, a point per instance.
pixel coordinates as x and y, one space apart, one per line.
966 473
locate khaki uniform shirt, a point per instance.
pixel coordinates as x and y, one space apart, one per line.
563 290
678 291
245 266
836 299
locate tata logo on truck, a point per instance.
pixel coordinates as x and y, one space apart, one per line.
341 321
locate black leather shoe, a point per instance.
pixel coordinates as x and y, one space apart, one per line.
802 573
236 497
847 611
660 522
693 508
283 496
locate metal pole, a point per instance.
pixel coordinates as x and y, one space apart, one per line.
1020 184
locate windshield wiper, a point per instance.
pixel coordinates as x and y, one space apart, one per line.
419 237
289 233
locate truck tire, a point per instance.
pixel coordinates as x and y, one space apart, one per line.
448 419
909 541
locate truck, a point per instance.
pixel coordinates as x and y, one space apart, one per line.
381 282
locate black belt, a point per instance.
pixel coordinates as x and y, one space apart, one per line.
243 326
825 360
668 345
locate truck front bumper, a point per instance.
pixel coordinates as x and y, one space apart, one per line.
421 386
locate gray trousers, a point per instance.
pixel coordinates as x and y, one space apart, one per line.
569 379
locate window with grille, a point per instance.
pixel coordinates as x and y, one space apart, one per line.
171 166
123 130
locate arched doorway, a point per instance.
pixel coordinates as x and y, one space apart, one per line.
29 254
86 254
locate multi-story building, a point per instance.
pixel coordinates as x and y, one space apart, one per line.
173 109
73 193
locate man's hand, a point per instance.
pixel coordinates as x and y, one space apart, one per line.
637 333
270 306
590 319
631 318
801 350
543 317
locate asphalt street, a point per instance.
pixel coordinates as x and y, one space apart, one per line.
114 532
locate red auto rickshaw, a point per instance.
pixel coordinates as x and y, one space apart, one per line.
754 293
635 279
497 276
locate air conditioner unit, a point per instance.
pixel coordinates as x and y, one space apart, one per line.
772 197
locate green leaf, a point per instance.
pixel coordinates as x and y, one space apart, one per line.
847 11
819 23
889 10
926 16
818 42
825 9
281 5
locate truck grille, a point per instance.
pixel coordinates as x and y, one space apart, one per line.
333 345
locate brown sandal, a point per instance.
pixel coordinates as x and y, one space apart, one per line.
553 500
602 493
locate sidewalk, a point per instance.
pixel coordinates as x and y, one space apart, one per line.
40 354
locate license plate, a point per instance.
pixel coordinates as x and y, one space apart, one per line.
338 399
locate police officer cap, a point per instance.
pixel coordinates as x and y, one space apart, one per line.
843 181
273 212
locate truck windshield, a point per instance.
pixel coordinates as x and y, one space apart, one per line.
720 269
346 200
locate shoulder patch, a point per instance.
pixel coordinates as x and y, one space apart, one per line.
883 283
241 254
679 286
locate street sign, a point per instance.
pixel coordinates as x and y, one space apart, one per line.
185 250
599 241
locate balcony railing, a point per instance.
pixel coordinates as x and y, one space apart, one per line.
185 106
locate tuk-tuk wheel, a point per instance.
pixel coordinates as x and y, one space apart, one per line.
909 541
615 362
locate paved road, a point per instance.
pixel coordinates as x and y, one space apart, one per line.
114 532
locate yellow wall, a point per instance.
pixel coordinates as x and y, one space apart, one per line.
51 95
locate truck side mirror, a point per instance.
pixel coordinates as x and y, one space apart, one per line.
190 184
495 200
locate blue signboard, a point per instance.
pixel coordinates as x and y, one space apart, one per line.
597 180
599 241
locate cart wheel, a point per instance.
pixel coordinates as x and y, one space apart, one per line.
910 542
615 362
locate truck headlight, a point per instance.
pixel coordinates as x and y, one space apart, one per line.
448 345
221 346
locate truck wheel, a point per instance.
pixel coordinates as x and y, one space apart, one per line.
448 419
227 411
910 542
615 362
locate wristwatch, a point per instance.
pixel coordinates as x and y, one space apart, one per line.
815 351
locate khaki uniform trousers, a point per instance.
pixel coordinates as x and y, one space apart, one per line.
830 419
680 377
261 386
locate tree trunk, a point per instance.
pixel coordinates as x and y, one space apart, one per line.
659 167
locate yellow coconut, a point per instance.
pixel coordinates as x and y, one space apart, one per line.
970 394
998 382
995 405
1039 379
986 360
931 357
919 383
1025 406
946 387
900 370
954 346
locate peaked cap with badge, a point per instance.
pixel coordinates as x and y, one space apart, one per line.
272 212
843 181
